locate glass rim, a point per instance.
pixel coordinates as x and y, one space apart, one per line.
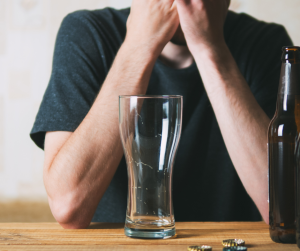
151 96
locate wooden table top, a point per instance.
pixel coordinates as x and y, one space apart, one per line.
110 236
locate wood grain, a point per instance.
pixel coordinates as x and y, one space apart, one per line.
25 211
110 236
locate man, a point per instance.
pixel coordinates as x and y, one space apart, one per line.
220 173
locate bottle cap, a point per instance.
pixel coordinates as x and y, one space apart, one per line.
240 248
200 248
233 242
291 54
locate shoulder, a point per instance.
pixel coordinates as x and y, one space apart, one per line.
97 34
106 21
245 28
102 15
256 45
244 23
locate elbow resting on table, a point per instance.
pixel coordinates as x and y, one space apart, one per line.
68 215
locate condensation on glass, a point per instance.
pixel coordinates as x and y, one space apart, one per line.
282 136
150 129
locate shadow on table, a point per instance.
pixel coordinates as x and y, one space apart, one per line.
103 225
184 236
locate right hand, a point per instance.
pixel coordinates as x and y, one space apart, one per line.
152 23
202 22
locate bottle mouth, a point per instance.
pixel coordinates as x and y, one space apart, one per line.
291 54
290 48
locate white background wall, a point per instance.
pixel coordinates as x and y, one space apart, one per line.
27 34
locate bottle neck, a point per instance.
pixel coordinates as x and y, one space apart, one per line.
288 105
289 88
289 79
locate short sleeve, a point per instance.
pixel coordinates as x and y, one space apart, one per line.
257 48
82 58
266 73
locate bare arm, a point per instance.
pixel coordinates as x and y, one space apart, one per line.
242 121
79 166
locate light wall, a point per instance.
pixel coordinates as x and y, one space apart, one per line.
27 34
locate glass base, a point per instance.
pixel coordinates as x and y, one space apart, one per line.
150 233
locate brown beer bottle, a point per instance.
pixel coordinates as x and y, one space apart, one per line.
298 192
283 132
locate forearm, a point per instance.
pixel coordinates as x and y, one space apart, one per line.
83 168
242 121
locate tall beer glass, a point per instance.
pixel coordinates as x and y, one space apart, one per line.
150 128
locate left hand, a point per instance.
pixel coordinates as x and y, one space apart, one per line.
202 22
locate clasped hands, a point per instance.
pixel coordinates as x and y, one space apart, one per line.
153 23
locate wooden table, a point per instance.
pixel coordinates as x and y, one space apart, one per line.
108 236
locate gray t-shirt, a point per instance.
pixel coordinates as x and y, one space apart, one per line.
206 186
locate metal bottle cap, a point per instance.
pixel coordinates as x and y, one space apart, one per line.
240 248
233 242
200 248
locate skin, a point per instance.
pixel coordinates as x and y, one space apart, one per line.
79 166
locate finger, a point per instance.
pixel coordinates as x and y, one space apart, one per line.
184 6
183 2
172 3
174 6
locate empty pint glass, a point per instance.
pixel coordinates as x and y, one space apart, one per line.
150 128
